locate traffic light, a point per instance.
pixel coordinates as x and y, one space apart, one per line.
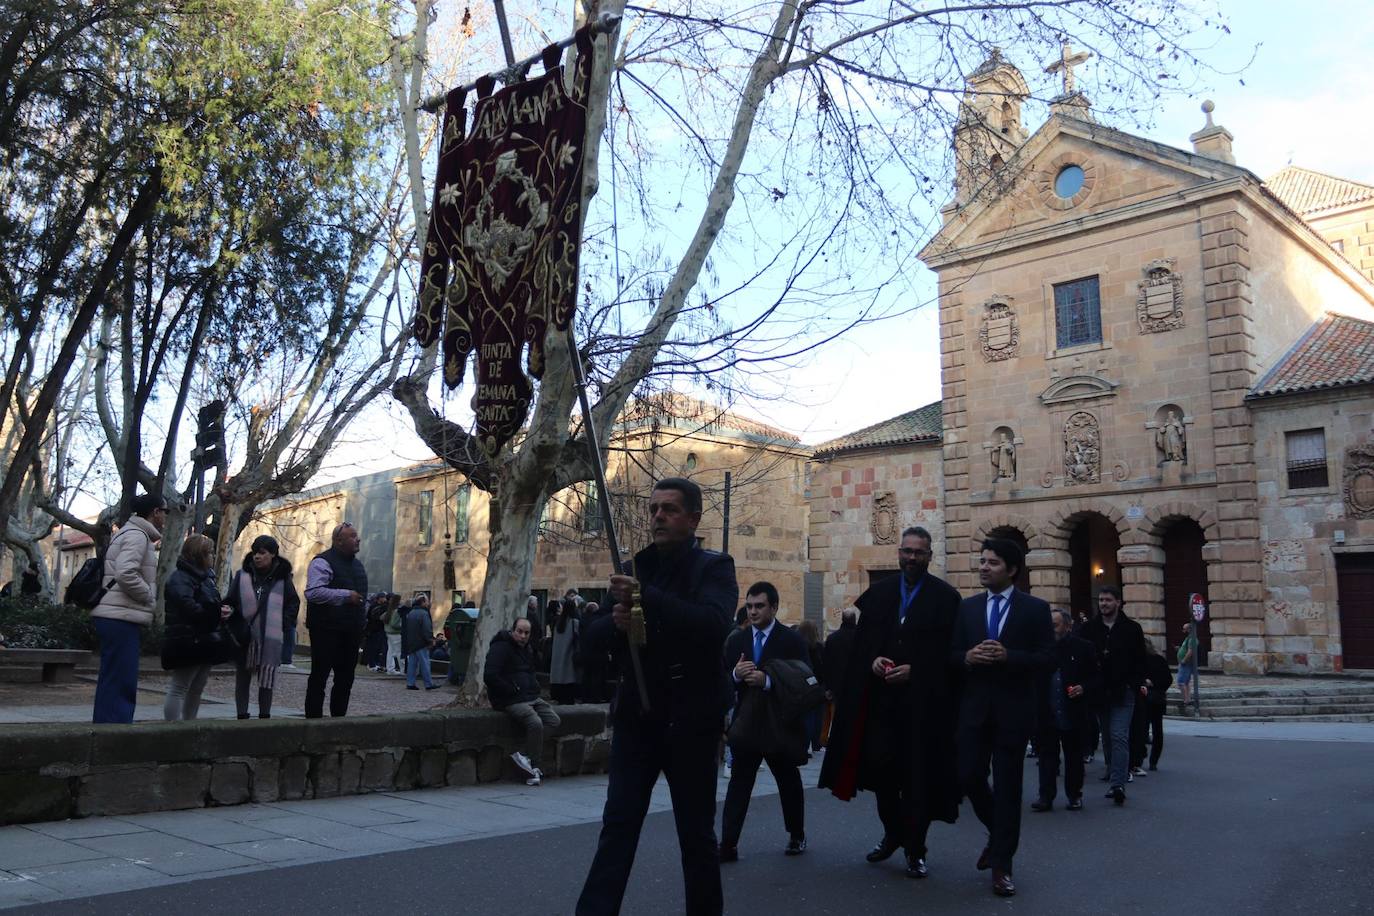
209 434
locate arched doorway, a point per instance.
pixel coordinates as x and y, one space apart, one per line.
1016 537
1185 572
1093 544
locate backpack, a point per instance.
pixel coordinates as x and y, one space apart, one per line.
87 588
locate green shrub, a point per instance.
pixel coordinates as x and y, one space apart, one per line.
31 624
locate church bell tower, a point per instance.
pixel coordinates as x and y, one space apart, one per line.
989 130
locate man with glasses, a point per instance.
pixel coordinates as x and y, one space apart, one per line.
893 731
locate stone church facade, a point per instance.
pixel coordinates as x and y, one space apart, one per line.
1141 383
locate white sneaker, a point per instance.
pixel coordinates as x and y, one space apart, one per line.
1138 771
290 667
534 780
523 763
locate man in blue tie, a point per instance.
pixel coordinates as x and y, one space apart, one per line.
1004 641
895 713
747 653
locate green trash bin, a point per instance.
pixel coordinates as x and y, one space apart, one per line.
459 629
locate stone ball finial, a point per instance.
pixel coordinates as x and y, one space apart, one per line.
1208 106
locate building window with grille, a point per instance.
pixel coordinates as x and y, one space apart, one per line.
1077 313
426 518
1306 459
461 497
591 510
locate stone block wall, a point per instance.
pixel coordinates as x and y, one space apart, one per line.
1302 614
54 772
848 539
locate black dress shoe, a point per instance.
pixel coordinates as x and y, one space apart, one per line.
728 854
916 867
1118 795
1075 804
1002 884
411 687
883 851
1041 805
984 863
795 845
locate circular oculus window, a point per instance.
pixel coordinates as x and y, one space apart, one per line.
1069 181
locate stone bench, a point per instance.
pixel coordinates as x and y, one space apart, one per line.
51 666
62 770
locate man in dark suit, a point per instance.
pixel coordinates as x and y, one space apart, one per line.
689 597
895 714
747 652
1003 640
1066 695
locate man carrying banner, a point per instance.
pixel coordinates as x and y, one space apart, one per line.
688 596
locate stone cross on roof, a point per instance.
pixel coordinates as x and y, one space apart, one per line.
1066 62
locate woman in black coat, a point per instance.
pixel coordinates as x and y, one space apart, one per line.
264 597
194 614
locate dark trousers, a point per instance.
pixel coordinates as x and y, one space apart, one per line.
336 652
687 758
116 684
1089 733
998 806
1140 728
901 818
742 774
1156 718
1051 741
374 649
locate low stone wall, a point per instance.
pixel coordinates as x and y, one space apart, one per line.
54 772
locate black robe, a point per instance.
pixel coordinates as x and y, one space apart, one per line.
914 724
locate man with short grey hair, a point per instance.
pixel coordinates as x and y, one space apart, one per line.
335 584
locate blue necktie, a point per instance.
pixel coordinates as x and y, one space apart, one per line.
758 645
995 616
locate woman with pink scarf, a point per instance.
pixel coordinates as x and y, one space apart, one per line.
264 595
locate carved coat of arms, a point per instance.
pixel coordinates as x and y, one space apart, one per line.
1159 305
884 522
999 334
1358 483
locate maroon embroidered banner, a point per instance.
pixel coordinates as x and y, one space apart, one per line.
500 258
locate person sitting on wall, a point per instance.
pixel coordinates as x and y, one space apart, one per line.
513 689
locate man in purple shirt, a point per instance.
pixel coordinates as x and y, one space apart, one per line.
335 584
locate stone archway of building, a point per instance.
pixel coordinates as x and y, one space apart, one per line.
1093 546
1185 574
1015 535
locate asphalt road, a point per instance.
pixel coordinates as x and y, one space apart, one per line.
1227 826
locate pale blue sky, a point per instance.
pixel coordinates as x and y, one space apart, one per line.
1305 100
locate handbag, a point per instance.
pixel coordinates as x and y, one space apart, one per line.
189 650
238 630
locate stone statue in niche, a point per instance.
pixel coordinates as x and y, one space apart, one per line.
884 521
1004 458
1172 438
1082 449
1000 333
1159 306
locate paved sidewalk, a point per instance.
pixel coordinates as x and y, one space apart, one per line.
100 855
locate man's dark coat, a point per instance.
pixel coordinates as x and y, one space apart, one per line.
914 723
1076 661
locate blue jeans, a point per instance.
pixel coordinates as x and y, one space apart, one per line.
418 663
288 645
1116 738
116 686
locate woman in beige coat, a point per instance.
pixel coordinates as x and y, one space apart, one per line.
127 607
